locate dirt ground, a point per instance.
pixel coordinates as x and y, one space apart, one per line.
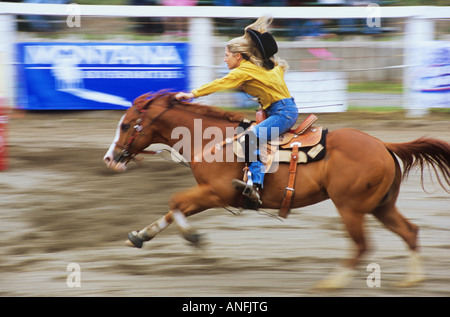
59 204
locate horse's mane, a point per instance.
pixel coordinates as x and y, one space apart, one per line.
145 101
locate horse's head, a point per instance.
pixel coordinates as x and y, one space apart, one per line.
136 129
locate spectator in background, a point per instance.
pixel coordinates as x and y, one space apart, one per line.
43 23
355 26
177 22
153 25
224 3
302 28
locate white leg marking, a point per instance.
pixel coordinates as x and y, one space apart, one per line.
180 220
416 272
155 228
108 158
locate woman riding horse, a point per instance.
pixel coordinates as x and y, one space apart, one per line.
254 68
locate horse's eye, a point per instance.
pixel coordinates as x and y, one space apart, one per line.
125 126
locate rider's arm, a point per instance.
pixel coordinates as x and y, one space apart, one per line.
233 79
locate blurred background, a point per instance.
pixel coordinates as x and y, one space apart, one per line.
67 73
386 56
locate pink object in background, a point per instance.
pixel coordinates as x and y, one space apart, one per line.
322 53
179 2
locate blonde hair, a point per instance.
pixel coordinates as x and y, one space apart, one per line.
245 46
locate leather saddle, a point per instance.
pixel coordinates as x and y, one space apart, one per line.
310 137
279 150
303 135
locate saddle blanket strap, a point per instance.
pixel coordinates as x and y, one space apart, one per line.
289 192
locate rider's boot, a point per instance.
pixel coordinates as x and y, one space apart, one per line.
253 192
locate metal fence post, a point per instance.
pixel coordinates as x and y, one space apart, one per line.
418 31
7 53
201 60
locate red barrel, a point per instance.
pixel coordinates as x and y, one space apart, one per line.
3 137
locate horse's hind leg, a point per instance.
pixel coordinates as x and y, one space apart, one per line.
396 222
354 224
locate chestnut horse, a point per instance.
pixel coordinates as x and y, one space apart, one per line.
359 173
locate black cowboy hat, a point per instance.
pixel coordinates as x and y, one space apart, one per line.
266 45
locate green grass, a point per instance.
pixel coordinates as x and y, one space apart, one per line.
440 110
376 87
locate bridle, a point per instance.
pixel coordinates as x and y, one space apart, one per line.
126 153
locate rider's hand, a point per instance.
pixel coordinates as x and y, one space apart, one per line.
184 95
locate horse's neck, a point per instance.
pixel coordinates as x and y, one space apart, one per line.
189 133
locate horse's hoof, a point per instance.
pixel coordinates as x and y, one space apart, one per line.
416 273
411 281
134 240
337 280
194 238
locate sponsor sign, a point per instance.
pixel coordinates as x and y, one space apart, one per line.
80 76
431 83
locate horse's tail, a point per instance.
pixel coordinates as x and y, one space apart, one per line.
425 151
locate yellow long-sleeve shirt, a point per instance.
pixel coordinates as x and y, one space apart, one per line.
267 85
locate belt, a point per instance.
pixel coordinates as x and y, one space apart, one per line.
280 102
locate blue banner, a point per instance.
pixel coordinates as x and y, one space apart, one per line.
80 76
431 81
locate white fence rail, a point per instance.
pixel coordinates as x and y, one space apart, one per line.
425 12
419 28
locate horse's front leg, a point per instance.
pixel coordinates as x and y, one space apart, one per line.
182 205
137 238
191 202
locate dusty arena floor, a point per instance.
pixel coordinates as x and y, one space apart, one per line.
59 205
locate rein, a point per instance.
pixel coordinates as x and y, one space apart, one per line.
137 131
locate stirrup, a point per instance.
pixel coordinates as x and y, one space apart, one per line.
248 190
249 185
246 183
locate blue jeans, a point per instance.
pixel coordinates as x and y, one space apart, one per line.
281 116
